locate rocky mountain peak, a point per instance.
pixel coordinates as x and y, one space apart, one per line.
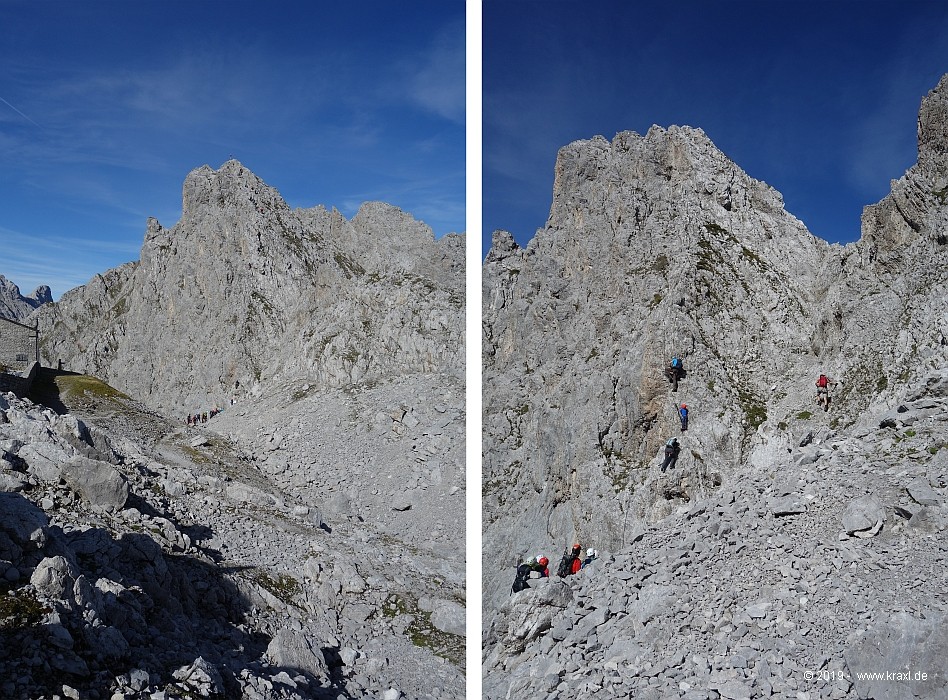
502 246
675 174
244 289
231 186
383 219
908 227
41 295
15 306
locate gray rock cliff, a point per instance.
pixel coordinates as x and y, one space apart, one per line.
244 290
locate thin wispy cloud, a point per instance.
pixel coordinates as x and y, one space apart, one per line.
18 112
434 84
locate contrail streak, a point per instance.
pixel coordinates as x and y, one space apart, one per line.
20 113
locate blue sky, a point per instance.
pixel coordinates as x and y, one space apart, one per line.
817 98
105 106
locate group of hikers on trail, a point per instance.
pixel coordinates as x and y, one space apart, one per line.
571 563
203 417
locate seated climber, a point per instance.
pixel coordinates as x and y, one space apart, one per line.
521 581
591 556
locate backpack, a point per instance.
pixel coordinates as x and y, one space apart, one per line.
822 381
676 363
523 576
566 564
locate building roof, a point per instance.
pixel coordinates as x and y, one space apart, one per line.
17 323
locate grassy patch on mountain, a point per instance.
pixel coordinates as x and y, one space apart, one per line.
67 392
20 609
84 386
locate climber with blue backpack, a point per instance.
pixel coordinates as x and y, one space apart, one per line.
674 371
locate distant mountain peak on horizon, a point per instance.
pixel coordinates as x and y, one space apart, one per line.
17 307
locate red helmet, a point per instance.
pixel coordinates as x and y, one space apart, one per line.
543 561
684 405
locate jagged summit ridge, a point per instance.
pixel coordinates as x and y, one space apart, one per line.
933 130
243 288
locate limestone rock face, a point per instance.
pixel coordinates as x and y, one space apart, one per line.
656 245
244 290
17 307
712 574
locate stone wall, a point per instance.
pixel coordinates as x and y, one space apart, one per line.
18 345
19 382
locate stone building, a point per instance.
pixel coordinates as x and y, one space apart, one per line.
19 345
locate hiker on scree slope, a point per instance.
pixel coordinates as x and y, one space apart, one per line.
823 385
674 372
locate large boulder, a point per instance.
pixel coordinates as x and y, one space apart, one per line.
22 526
54 577
863 513
529 614
449 617
98 483
294 649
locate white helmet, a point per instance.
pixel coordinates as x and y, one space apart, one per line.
590 552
